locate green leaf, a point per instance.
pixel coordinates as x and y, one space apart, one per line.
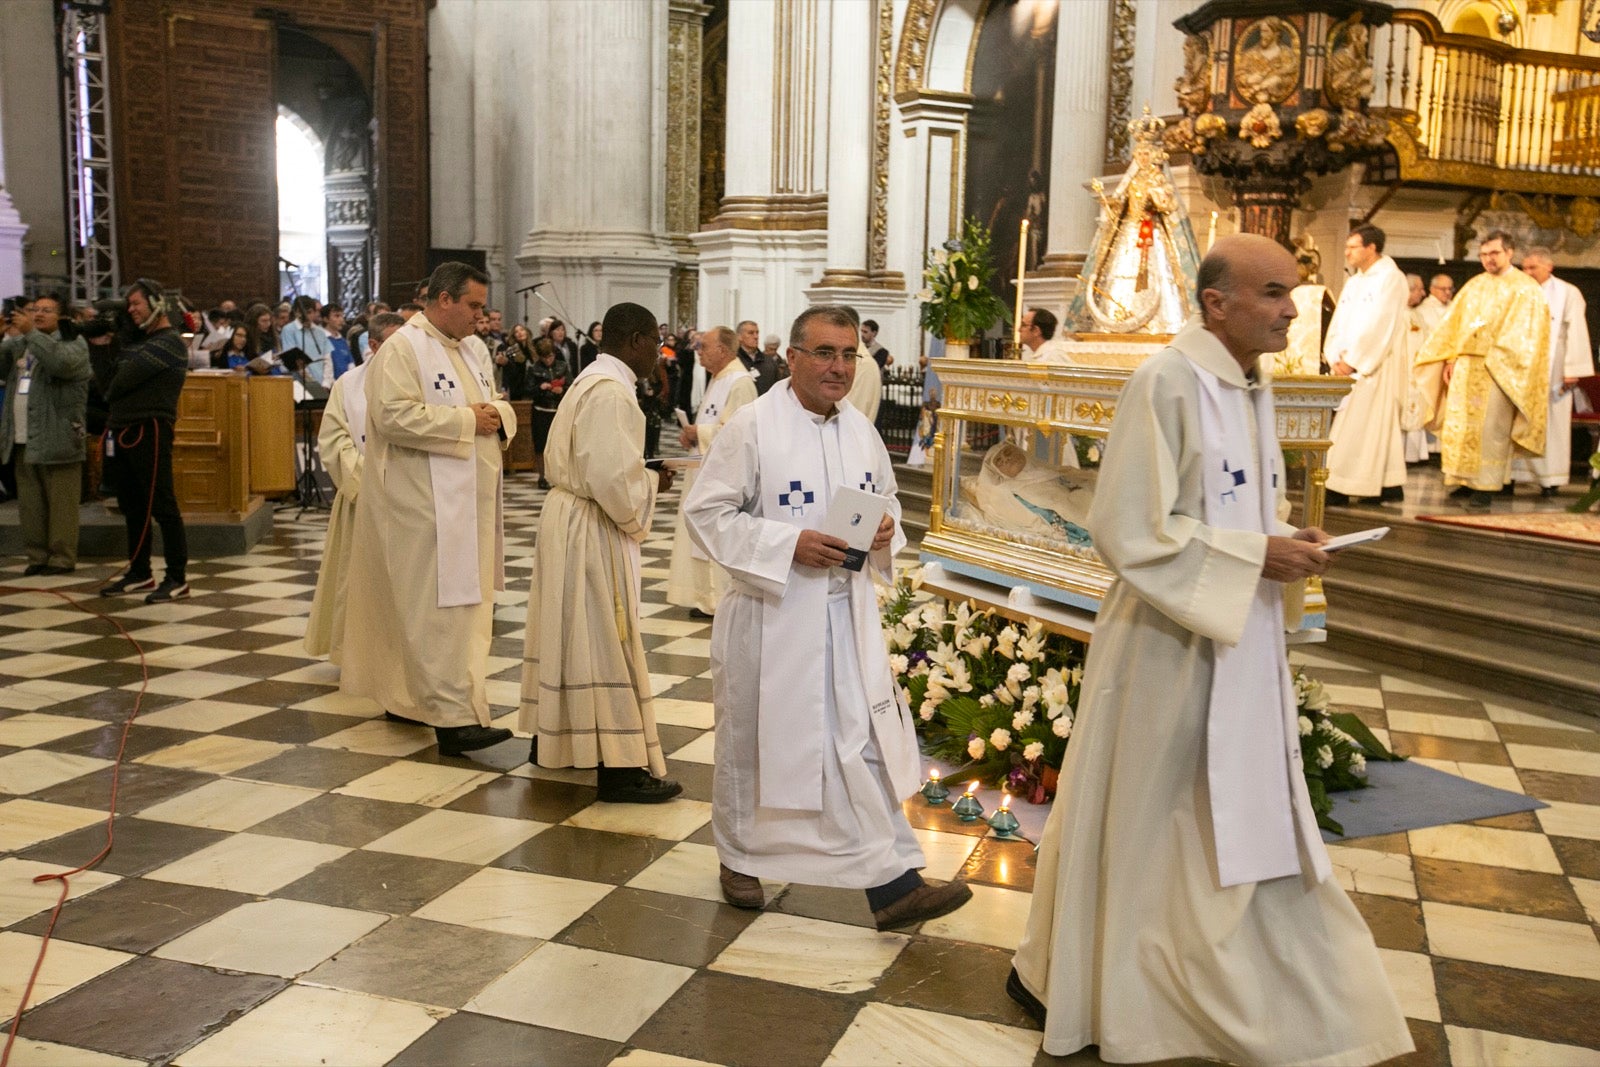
1371 747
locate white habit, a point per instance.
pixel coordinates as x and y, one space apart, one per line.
1369 331
815 746
866 392
1411 413
693 581
1570 357
585 686
1134 942
341 442
1052 351
401 648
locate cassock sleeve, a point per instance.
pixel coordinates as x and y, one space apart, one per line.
1579 354
397 410
1365 333
608 457
338 447
1202 577
720 512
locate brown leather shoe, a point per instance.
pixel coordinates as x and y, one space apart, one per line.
741 890
922 903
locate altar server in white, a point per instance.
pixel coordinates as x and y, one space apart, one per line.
1184 904
815 745
428 521
342 443
1367 341
1571 358
586 695
693 581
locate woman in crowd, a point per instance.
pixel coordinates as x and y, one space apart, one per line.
588 347
566 350
263 339
236 353
513 361
546 380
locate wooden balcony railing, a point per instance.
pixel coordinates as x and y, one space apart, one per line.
1479 112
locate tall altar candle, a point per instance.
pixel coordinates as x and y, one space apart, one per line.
1022 269
1211 234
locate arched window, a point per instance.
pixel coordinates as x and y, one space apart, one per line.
302 210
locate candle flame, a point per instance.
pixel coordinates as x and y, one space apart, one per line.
933 772
972 787
1005 802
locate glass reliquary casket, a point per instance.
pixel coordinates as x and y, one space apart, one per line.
1014 466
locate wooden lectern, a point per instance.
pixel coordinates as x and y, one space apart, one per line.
233 444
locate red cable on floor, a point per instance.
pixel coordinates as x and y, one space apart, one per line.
111 814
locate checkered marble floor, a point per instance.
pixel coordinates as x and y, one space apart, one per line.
296 880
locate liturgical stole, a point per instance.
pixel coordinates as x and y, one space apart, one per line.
1252 737
791 733
710 412
454 479
353 388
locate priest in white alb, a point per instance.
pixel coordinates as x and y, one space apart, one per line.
342 444
586 695
1367 342
428 519
693 581
1571 358
1184 904
815 745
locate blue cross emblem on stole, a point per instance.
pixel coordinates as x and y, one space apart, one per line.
1238 480
868 485
443 384
709 411
796 498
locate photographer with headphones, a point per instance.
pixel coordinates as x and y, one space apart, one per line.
140 368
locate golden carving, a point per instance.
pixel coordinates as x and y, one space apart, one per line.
1313 123
1348 82
1260 126
1266 61
915 30
1119 105
1417 168
1095 412
1006 402
1194 84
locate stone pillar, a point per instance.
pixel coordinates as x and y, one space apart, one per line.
592 159
769 241
1077 137
685 27
12 231
849 140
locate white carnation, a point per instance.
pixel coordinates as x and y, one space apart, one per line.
1062 727
899 665
986 701
926 712
1033 750
1324 757
1358 763
1030 696
1305 726
1000 739
1022 720
975 747
1019 673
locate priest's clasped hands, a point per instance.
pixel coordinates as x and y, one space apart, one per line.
813 548
488 419
1291 558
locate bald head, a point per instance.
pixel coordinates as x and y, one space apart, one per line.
1244 288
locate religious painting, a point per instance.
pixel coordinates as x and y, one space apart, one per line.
1266 61
1008 131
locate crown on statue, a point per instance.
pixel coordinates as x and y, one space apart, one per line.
1147 132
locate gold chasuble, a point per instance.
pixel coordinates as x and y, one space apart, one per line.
1497 331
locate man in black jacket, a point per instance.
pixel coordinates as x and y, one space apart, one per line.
141 375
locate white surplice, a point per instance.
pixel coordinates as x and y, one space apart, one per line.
693 581
815 746
341 442
1132 943
1571 356
401 648
1369 331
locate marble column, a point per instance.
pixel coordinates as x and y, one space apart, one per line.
685 28
769 241
590 151
1077 136
12 228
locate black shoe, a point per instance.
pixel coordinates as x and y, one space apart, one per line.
1460 492
1509 489
32 569
1393 494
1334 498
533 751
634 785
696 613
169 589
63 569
1546 491
1025 1000
129 586
1479 502
454 740
543 484
401 719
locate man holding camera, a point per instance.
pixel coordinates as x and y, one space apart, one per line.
41 431
140 368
